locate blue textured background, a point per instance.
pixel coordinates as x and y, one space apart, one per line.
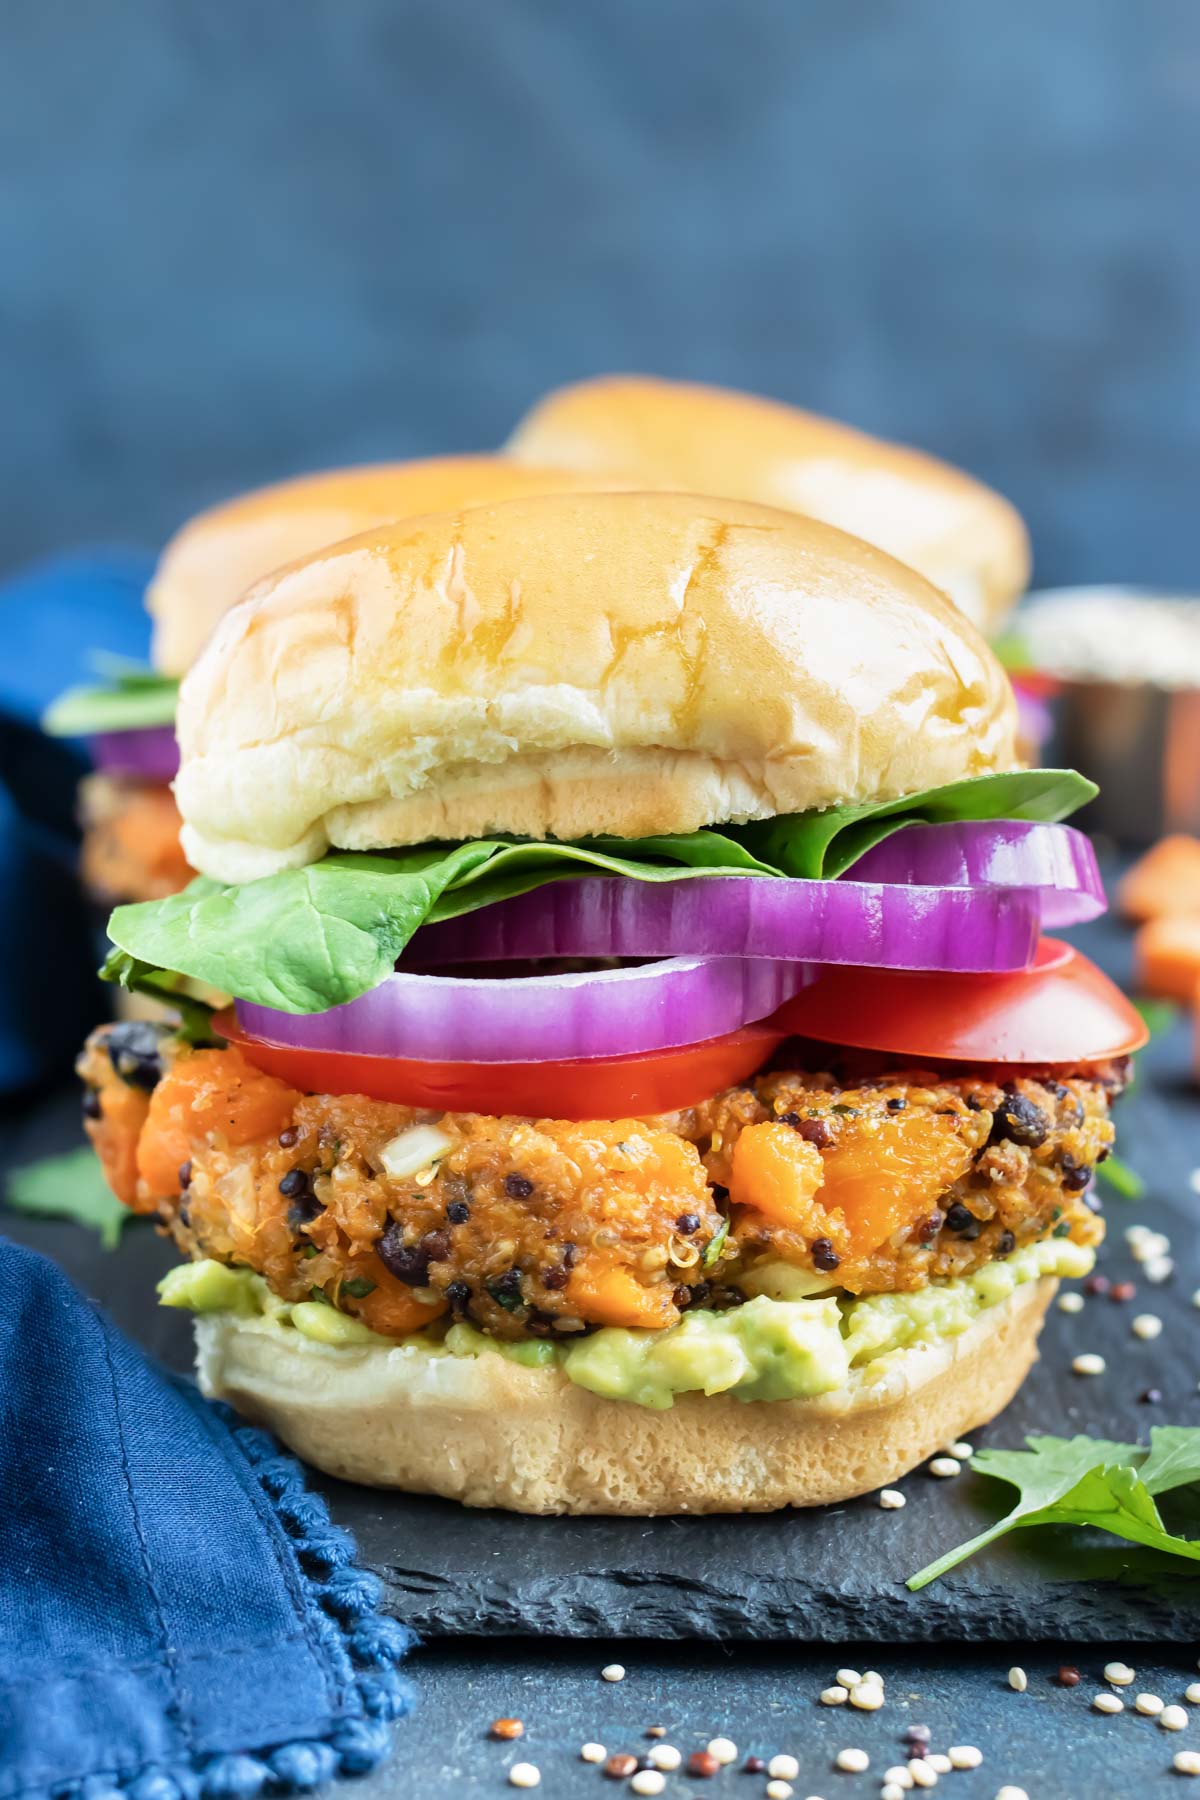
239 240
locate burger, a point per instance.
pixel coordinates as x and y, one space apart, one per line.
131 848
648 1088
951 528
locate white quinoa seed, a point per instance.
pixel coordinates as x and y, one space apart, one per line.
1147 1326
1070 1302
786 1768
1011 1793
1149 1704
1192 1692
962 1451
867 1696
666 1756
898 1775
1173 1718
1186 1762
848 1678
525 1775
649 1781
944 1467
1108 1703
779 1790
1194 1181
964 1756
923 1776
1120 1674
852 1761
594 1753
891 1499
723 1748
835 1696
873 1675
891 1790
612 1672
1018 1679
1196 1298
941 1765
1158 1269
1088 1364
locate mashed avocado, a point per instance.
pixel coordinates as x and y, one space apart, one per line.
768 1349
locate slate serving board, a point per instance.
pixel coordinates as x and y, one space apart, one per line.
827 1576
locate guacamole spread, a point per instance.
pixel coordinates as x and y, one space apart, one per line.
768 1349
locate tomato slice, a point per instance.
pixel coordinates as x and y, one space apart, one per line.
1062 1010
615 1087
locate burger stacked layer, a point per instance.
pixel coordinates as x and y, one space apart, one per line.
640 1009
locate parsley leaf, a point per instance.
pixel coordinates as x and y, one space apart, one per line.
69 1187
1089 1482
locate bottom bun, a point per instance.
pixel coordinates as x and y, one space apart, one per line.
490 1432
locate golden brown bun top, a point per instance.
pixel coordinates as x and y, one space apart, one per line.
706 440
573 664
209 564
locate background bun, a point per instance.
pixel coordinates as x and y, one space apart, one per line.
210 563
488 1432
958 533
572 664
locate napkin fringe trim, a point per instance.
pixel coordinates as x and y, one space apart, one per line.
342 1603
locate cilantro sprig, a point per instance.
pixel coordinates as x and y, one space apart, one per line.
1091 1482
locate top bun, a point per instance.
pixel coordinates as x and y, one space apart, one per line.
209 564
572 664
956 532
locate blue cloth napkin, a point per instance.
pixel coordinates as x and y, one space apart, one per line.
178 1618
53 616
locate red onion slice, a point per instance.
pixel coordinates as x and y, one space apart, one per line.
541 1018
150 754
1056 863
756 916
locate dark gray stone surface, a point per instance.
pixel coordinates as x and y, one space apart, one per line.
801 1577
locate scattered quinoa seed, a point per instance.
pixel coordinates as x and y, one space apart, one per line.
1108 1703
1011 1793
1150 1704
620 1765
1186 1762
1120 1674
835 1696
1173 1718
754 1765
922 1775
1018 1679
723 1749
1147 1326
873 1675
944 1466
964 1756
592 1753
898 1776
891 1499
867 1696
525 1775
848 1678
779 1790
507 1729
1070 1302
891 1790
785 1767
941 1765
648 1781
1068 1676
1192 1692
656 1731
1088 1364
612 1672
702 1762
852 1762
665 1756
962 1451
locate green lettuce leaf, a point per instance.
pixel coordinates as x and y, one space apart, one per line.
128 698
69 1187
1091 1482
308 939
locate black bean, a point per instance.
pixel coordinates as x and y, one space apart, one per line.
701 1292
303 1210
554 1278
897 1103
1019 1121
289 1137
91 1104
1006 1243
1150 1396
974 1103
458 1212
719 1193
1075 1176
687 1223
518 1187
409 1263
436 1246
134 1051
960 1219
570 1255
295 1184
458 1296
185 1174
824 1256
681 1296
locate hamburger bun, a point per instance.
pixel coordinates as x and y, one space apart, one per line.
954 530
211 562
574 664
490 1432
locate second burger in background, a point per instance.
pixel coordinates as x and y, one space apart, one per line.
646 1090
